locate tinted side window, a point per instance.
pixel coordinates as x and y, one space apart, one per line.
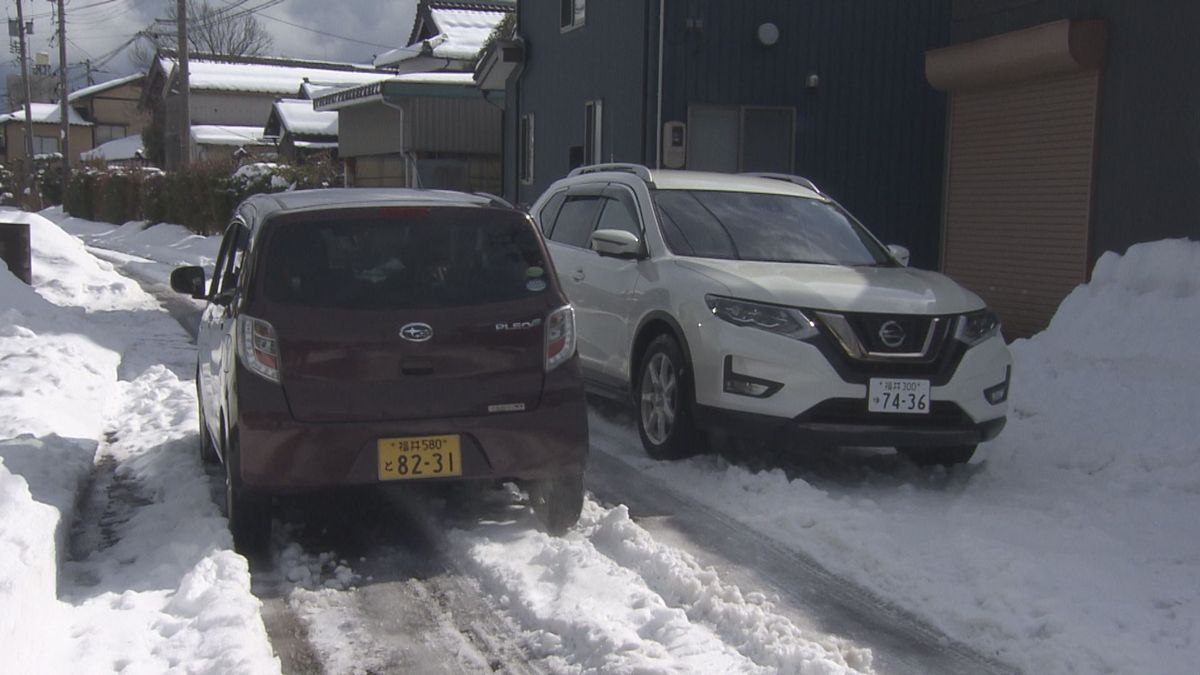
415 258
229 261
549 212
574 223
618 214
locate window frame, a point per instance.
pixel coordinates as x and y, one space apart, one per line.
572 14
593 132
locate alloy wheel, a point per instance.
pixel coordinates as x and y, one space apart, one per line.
660 398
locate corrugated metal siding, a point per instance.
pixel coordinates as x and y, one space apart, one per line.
1018 197
457 125
871 133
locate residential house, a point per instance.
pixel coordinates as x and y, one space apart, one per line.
231 99
1074 129
300 132
47 130
112 108
429 126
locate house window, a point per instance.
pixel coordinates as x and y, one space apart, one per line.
45 145
526 149
733 138
104 133
593 125
571 13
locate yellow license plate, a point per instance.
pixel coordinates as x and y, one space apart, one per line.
419 457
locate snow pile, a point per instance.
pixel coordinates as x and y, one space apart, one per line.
152 584
612 599
166 244
1118 368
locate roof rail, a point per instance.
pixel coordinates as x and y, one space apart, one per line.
796 180
494 199
637 169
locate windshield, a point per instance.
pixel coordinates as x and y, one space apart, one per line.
418 258
766 227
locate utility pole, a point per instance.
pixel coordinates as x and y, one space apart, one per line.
185 109
63 107
29 175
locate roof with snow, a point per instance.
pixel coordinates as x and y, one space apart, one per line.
104 86
45 113
281 77
297 118
450 30
215 134
409 84
129 147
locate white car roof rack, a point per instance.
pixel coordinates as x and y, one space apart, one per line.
797 180
637 169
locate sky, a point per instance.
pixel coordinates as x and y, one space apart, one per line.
347 30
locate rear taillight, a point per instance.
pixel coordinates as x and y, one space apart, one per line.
258 347
560 337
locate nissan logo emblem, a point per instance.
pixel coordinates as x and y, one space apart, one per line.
416 332
892 334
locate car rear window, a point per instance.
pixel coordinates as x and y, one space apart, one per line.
412 257
765 227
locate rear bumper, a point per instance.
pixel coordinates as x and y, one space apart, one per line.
279 454
873 431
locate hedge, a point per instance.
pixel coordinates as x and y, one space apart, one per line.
201 197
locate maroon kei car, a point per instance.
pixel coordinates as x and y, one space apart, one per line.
356 336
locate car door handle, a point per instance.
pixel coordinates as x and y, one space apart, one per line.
578 275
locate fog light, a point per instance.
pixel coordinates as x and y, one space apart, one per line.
744 385
999 393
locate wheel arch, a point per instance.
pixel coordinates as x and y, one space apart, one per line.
652 325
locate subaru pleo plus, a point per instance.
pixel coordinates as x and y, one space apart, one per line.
356 337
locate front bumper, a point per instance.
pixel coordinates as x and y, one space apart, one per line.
279 454
821 396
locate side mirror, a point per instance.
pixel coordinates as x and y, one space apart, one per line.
616 243
899 253
189 281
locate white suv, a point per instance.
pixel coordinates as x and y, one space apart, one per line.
755 306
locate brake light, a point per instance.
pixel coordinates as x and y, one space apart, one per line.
560 337
258 347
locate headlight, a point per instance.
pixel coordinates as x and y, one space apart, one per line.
786 321
976 327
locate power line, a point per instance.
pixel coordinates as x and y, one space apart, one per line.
321 32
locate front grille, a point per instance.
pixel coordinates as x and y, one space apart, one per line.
937 361
942 415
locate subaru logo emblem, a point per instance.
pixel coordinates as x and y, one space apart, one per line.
892 334
416 332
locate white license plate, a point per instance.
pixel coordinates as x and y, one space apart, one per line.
886 395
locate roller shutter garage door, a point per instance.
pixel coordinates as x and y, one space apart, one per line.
1019 192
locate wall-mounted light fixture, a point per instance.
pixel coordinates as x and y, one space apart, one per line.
768 34
812 81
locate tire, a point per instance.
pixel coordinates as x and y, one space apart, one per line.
557 502
249 514
208 451
663 400
944 456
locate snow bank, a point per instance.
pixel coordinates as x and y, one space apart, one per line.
611 599
164 243
1109 390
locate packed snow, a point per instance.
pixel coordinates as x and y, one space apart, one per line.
1068 545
